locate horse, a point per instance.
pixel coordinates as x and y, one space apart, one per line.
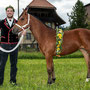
73 40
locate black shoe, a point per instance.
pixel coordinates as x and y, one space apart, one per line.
1 82
1 85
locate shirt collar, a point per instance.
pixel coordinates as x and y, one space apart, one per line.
9 20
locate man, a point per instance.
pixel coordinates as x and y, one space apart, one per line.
8 41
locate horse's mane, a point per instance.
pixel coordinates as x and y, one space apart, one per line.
49 31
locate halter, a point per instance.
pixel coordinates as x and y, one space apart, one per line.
22 27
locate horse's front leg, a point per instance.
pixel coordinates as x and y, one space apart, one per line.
53 74
49 61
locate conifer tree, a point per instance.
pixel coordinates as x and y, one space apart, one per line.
78 16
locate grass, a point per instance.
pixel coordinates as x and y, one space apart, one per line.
32 75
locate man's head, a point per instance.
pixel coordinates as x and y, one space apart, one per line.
10 11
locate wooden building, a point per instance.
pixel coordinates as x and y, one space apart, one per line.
46 12
88 12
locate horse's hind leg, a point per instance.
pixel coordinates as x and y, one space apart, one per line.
87 58
88 65
50 69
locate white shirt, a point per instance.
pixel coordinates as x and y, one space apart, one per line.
10 21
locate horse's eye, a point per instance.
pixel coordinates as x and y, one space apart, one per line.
22 18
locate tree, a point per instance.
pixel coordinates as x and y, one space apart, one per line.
78 16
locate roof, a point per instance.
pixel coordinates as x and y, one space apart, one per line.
46 15
87 5
41 4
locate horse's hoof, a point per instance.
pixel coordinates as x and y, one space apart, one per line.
49 82
87 79
53 80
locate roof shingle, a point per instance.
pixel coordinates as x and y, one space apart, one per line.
41 4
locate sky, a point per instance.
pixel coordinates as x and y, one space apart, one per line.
63 7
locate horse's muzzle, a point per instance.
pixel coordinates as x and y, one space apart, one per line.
15 30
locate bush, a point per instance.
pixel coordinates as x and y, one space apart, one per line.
38 55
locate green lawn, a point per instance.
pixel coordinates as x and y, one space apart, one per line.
32 75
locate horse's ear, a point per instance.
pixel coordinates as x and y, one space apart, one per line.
27 8
23 9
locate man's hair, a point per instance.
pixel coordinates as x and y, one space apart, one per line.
10 7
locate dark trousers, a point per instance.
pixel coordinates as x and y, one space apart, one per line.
13 62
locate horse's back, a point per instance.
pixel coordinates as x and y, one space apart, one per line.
77 34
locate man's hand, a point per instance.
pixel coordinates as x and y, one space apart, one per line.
24 32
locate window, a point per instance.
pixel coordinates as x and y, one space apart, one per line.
28 36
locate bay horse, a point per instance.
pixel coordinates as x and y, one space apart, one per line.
73 40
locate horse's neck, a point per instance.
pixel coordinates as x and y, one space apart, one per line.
38 29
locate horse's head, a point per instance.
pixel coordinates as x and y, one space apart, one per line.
23 22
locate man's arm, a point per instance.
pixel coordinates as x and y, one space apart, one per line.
0 24
0 30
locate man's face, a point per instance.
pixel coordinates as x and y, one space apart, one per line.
10 13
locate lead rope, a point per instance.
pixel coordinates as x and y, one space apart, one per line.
8 51
22 27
